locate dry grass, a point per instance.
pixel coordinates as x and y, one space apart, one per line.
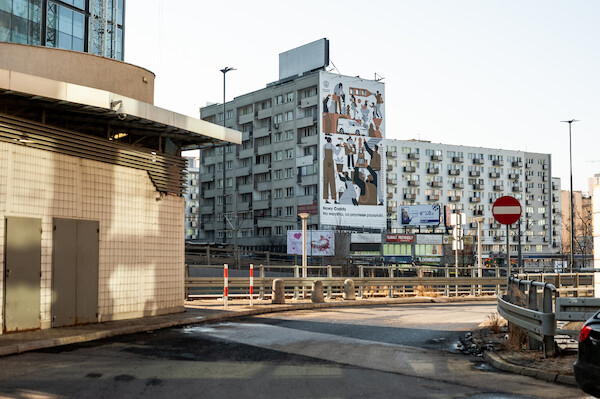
495 322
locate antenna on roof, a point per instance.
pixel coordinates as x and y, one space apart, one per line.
378 78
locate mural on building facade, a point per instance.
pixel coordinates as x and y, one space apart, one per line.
352 152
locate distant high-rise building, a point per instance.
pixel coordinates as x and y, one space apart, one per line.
91 26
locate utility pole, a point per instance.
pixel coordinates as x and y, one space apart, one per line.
572 265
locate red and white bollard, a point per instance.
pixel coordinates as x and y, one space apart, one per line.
225 284
251 283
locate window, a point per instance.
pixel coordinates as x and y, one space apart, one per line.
229 113
289 97
228 165
288 116
229 182
289 192
289 135
289 172
278 118
278 230
289 211
279 99
310 190
289 153
278 193
278 137
278 174
278 212
278 155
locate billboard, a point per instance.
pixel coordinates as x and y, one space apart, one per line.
318 242
351 149
420 215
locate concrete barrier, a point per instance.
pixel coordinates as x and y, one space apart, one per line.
317 292
278 291
349 293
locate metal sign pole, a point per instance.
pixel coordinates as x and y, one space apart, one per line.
507 254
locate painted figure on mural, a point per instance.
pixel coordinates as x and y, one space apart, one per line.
378 102
375 169
368 190
349 195
329 150
326 104
338 94
353 106
365 113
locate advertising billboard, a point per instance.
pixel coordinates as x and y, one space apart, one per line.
420 215
352 152
318 242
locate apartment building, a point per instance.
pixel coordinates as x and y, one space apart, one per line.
468 180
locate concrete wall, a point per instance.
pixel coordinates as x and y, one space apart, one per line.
141 261
79 68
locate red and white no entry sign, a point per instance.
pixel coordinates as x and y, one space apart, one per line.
506 210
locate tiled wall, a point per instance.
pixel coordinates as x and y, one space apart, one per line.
141 233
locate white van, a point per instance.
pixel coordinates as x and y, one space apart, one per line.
350 126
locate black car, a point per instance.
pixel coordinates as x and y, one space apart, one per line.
587 366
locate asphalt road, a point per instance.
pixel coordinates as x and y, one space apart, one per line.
393 351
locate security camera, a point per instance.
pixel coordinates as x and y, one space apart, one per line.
121 116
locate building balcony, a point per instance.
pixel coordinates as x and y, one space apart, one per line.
244 206
263 185
494 225
478 212
453 172
433 198
391 154
494 175
390 209
554 198
391 181
517 189
435 184
264 113
409 169
262 132
529 165
410 196
475 199
458 159
261 168
261 204
477 161
545 166
413 155
309 101
207 209
433 171
389 195
389 168
413 183
517 164
454 198
474 173
498 188
436 157
306 121
243 119
308 180
513 176
458 185
498 162
245 188
498 239
207 177
246 153
477 186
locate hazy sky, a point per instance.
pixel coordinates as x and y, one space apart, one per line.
486 73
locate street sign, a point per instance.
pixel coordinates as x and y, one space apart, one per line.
506 210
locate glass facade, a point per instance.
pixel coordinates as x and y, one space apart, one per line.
80 25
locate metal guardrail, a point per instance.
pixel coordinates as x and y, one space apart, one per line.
576 309
521 307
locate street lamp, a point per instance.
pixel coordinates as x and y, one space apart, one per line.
571 181
224 70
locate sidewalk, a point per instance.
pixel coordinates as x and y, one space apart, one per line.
206 311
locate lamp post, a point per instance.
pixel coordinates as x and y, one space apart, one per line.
303 216
224 70
571 182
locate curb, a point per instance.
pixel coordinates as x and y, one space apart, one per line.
496 361
46 343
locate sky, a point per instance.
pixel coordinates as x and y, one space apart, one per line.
484 73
